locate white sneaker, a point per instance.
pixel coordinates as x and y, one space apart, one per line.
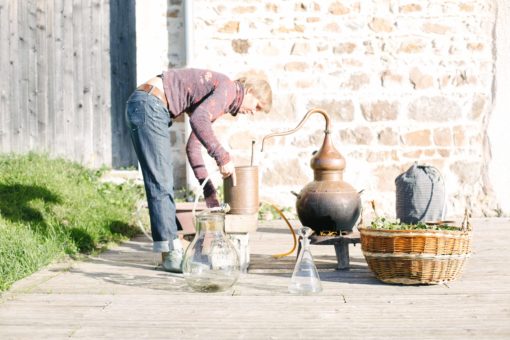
173 261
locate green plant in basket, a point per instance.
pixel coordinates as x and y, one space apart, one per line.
383 223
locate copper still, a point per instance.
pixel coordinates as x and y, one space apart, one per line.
328 204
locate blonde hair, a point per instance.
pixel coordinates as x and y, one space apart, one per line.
260 89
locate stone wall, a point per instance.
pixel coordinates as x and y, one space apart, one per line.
403 81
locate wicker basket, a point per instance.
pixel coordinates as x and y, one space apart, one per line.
416 256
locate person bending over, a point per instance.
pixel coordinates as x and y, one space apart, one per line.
205 96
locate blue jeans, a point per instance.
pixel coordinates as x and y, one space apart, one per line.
149 123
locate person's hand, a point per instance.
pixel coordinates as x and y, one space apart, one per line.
228 170
211 199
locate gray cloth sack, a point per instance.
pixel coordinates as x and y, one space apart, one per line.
420 195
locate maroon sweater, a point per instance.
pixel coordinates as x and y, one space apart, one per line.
205 95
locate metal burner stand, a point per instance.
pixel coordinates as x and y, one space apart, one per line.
341 244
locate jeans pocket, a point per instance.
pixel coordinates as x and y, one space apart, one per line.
157 114
136 110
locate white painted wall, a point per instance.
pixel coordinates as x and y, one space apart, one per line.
499 124
151 38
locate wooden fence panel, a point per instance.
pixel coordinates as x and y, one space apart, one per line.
5 144
57 116
98 91
67 69
41 85
14 78
32 95
104 98
86 116
51 60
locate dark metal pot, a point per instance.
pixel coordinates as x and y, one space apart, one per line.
327 204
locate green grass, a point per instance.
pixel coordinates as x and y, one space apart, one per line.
52 208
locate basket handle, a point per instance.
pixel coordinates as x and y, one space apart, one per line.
466 225
361 221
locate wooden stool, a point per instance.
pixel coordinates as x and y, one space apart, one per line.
341 243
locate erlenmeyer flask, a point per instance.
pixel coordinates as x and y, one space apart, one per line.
211 262
305 279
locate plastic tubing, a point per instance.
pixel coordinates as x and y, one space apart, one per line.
280 212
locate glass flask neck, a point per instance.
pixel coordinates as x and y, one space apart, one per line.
210 222
305 242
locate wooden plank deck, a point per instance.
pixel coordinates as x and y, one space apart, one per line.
120 295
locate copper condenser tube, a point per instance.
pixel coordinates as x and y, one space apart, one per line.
243 198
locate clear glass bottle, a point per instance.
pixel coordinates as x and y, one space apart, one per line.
211 262
305 278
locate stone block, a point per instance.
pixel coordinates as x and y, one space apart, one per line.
337 8
240 46
344 48
332 27
382 156
296 66
417 138
459 136
230 27
435 28
244 223
244 9
300 48
436 109
363 135
386 177
381 110
339 110
477 107
390 78
475 46
410 8
420 80
443 137
388 136
357 81
286 172
466 7
412 47
381 25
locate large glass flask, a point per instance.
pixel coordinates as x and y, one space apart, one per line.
211 262
305 278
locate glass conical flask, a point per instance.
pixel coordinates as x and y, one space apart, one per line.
211 262
305 278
